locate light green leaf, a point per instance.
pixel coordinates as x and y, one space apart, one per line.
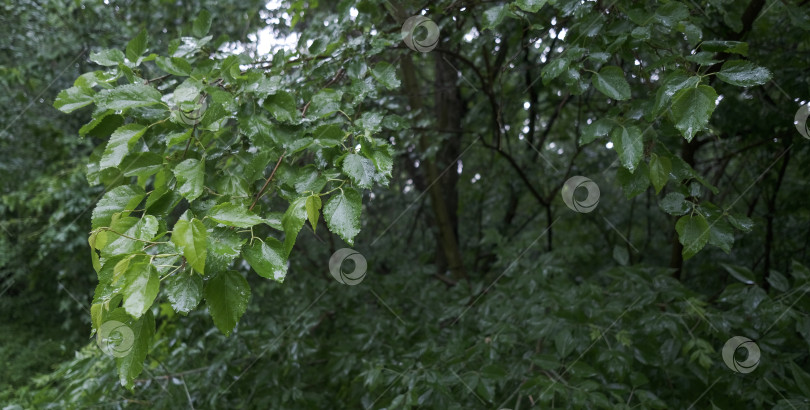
184 290
143 330
627 143
659 171
386 74
743 73
342 214
292 221
267 258
230 214
532 6
108 58
313 206
190 176
224 245
127 96
227 295
73 98
121 141
202 24
190 237
692 108
611 82
136 47
118 199
693 233
142 286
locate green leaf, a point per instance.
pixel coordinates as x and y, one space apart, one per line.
118 199
313 206
141 164
224 245
292 221
659 171
671 85
627 143
121 141
553 69
190 176
596 129
532 6
282 106
136 47
227 295
692 108
386 74
143 330
671 13
73 98
267 258
743 73
142 286
360 169
127 96
202 24
230 214
741 222
109 58
740 273
721 235
342 214
633 183
324 103
494 16
611 82
184 290
174 65
190 237
721 46
693 233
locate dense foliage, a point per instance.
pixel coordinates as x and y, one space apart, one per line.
221 180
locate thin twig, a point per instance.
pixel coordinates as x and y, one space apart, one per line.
267 182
